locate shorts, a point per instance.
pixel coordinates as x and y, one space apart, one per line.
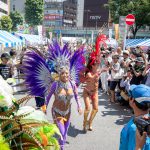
113 85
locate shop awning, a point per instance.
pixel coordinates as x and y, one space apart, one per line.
137 42
9 40
30 39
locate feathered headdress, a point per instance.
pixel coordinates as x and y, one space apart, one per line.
38 69
58 58
95 55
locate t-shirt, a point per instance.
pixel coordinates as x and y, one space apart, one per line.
128 137
5 71
137 80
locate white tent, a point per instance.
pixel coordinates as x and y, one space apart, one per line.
112 42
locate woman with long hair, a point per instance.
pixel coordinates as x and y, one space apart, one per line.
90 92
38 73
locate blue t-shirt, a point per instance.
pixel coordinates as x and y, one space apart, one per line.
128 137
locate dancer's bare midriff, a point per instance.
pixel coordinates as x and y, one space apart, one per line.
91 84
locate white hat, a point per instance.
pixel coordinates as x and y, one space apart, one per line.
126 52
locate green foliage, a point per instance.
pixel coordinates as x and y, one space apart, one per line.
140 8
6 23
34 12
17 19
26 130
0 25
3 144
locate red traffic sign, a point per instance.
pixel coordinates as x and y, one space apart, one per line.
130 19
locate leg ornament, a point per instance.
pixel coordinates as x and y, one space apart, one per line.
85 122
93 114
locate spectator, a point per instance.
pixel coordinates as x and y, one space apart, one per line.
140 140
115 78
104 75
124 87
139 95
120 54
6 70
146 75
125 82
14 62
137 70
126 60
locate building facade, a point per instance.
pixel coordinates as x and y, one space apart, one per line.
95 14
80 12
70 13
60 13
53 13
18 5
4 7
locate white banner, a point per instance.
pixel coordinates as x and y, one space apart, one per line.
40 32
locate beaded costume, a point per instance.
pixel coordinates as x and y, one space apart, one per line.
39 70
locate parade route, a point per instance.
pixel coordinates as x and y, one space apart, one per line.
106 127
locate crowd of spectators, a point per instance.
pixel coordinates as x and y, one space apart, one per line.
124 68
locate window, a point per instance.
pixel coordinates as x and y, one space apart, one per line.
3 11
4 1
14 8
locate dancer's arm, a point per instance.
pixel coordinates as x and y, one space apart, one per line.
77 98
51 92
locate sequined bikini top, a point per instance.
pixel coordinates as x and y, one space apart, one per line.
62 97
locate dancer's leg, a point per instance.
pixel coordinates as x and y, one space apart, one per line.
95 109
87 109
67 124
61 126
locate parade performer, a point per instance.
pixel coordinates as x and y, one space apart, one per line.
38 73
92 75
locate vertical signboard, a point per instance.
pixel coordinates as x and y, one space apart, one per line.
122 29
40 32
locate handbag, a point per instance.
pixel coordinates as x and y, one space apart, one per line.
124 95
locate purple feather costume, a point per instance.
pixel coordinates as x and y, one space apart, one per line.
38 72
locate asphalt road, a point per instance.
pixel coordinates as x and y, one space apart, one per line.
106 127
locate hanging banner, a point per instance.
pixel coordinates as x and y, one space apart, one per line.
117 31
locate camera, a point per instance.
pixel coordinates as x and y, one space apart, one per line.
142 124
103 56
131 67
109 48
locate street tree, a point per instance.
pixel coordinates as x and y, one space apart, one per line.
140 8
34 12
0 25
6 23
17 19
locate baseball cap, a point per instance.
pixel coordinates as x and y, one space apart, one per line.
5 55
141 93
139 59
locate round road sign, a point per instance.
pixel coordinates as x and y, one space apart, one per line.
130 19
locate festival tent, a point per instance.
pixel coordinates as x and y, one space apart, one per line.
145 43
9 40
137 42
30 39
